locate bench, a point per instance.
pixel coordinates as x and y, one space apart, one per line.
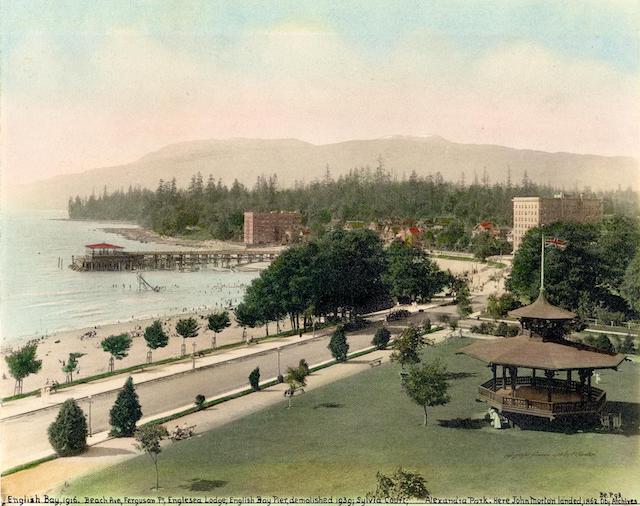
375 362
252 340
290 392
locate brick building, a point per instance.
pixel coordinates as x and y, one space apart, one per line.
271 228
530 212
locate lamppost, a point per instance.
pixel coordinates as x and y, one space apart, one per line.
90 400
279 373
193 356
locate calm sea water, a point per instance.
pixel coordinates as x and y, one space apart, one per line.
38 297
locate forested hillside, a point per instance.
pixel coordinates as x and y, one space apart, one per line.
212 209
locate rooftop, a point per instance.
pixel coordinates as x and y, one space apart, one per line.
103 245
522 351
542 310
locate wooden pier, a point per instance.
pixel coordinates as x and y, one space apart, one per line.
118 260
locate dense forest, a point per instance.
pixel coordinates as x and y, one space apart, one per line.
211 209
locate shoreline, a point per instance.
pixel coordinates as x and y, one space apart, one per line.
16 341
144 235
54 349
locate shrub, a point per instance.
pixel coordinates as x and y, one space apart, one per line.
607 317
199 402
398 314
484 328
125 412
600 341
254 379
498 307
401 486
426 325
381 338
68 433
356 324
502 329
304 367
512 330
627 345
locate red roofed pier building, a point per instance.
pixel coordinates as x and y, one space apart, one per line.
103 248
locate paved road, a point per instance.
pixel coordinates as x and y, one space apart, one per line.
24 438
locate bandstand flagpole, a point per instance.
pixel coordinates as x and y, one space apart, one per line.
542 266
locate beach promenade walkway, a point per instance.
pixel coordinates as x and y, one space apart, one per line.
50 477
166 388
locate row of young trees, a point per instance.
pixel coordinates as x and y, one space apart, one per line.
24 362
362 195
339 276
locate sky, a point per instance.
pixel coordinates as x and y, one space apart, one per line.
90 84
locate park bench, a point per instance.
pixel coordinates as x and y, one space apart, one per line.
375 362
290 392
182 433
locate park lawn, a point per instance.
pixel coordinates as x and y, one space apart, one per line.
335 439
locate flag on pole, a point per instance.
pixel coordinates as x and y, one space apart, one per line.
554 242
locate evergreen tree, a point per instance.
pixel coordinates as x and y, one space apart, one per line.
338 345
381 338
68 433
126 411
254 379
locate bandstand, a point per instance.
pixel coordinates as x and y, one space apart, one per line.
540 373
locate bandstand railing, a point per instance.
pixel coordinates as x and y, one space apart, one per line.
592 401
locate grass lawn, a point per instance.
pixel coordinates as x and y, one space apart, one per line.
335 439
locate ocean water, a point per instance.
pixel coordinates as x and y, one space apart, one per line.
39 298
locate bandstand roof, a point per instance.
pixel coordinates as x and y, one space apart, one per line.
523 351
541 309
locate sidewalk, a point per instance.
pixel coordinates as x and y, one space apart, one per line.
31 404
50 477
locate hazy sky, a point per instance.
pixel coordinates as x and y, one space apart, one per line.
94 83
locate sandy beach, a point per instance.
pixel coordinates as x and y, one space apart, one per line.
54 349
145 235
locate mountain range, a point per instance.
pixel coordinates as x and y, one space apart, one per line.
294 160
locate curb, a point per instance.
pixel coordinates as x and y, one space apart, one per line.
179 373
183 411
